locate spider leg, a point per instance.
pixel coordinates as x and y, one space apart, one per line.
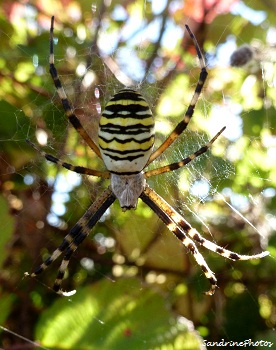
77 234
74 168
63 266
180 227
182 125
157 204
185 161
195 235
63 97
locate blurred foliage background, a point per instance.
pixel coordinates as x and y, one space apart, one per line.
137 287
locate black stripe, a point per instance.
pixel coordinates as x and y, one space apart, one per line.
54 75
131 108
74 120
60 275
51 158
128 158
127 95
66 105
125 172
219 250
126 130
48 261
56 286
202 78
182 125
111 150
64 245
125 141
38 270
234 256
132 115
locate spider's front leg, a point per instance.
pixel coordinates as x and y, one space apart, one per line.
69 112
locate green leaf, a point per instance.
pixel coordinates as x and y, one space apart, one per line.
121 315
7 228
6 303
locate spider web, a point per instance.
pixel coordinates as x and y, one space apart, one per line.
199 187
194 188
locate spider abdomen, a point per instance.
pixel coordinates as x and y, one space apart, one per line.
126 133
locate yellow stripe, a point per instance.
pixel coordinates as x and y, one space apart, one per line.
127 102
125 121
131 146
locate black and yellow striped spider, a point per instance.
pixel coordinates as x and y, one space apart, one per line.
126 139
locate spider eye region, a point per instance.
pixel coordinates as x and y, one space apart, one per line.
126 133
127 189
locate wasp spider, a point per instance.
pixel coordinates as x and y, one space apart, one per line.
125 139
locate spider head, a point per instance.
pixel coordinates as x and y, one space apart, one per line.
127 188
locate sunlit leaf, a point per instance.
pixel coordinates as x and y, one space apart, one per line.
115 315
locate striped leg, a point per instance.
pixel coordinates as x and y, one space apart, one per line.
190 111
74 168
155 202
62 95
77 234
194 234
185 161
180 227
